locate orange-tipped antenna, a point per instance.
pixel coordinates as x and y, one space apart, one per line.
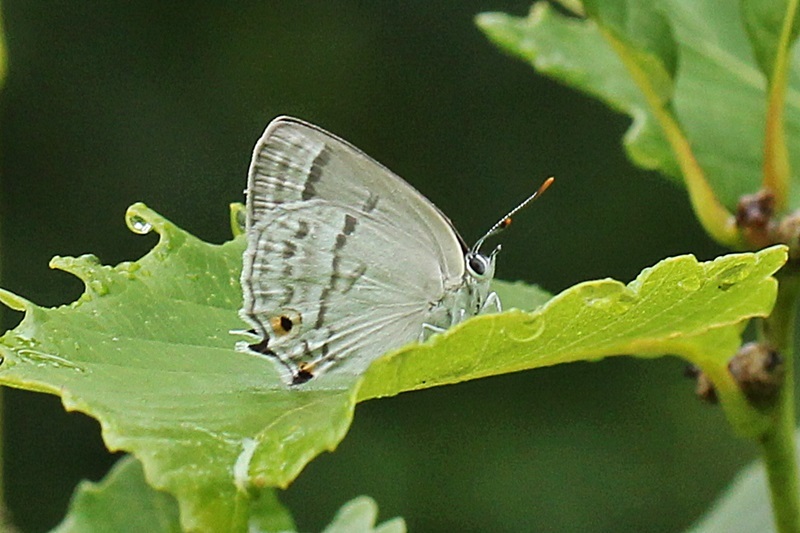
505 222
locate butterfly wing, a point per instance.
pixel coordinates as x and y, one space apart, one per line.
344 259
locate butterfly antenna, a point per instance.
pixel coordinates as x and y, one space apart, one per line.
505 222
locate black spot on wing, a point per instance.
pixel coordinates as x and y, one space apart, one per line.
289 249
302 230
371 203
341 240
286 323
315 174
301 376
262 347
349 224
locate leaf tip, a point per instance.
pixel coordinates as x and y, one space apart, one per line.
776 255
15 302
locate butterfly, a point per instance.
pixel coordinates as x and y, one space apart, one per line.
345 260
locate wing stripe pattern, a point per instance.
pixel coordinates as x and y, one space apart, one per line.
315 173
344 259
341 239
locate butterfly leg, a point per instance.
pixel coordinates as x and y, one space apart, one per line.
250 333
428 330
492 304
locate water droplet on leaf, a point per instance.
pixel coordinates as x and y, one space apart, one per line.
139 225
611 297
529 329
690 283
733 275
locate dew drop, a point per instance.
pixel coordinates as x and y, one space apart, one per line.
528 330
733 275
615 304
690 283
139 225
613 298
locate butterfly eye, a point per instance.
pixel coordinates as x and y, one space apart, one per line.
477 265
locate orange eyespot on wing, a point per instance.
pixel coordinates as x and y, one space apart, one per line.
284 323
304 373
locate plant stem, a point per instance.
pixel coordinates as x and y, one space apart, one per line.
778 442
777 169
712 214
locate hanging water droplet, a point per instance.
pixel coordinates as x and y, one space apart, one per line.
139 225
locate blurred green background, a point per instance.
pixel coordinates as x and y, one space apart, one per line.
112 102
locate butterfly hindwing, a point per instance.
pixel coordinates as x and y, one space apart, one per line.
343 304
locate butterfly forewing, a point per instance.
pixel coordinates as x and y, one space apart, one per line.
344 258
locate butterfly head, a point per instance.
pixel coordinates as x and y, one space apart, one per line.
479 266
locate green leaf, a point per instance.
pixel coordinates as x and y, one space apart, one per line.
574 51
764 20
359 515
680 306
147 350
267 514
744 507
646 32
122 502
519 295
719 92
719 78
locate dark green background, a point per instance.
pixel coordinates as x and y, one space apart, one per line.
111 102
